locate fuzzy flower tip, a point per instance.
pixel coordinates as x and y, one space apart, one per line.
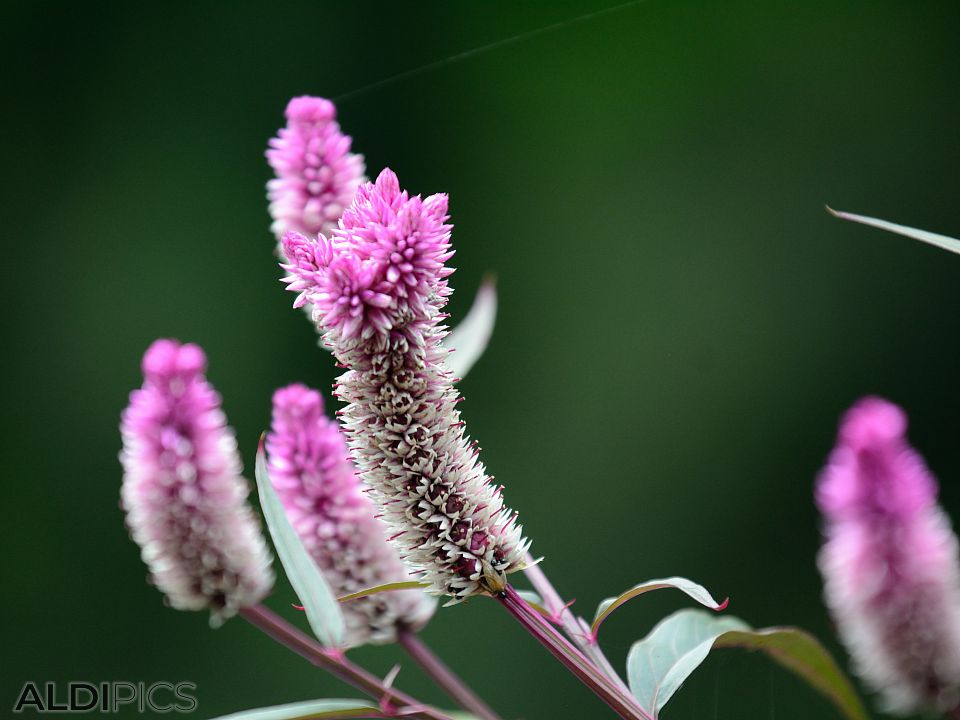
311 471
182 490
377 289
316 174
890 562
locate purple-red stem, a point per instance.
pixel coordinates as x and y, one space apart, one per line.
576 628
570 657
334 662
441 674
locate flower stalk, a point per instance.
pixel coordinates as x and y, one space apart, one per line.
443 676
392 702
575 627
570 657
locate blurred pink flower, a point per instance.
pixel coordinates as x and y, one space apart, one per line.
183 493
316 174
890 562
311 471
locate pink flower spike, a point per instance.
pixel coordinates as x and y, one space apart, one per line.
183 493
316 174
324 501
890 562
380 301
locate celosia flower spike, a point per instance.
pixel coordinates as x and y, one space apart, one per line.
183 493
315 480
316 174
890 562
377 289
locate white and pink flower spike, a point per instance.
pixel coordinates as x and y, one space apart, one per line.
378 288
311 470
890 562
316 174
183 493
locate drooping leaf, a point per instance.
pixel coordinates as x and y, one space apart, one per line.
469 339
318 600
802 653
941 241
659 664
697 592
309 710
386 587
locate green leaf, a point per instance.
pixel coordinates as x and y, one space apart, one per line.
329 709
535 601
802 653
940 241
662 661
469 339
318 600
658 664
697 592
386 587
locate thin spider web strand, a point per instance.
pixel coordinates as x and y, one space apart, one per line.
473 52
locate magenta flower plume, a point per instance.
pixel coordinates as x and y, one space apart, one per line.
182 490
377 290
316 174
311 471
890 562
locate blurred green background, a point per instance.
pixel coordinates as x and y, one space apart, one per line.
681 322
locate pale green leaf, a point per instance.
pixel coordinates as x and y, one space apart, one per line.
535 601
309 710
662 661
941 241
697 592
658 664
318 600
469 339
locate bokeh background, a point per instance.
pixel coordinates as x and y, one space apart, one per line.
681 322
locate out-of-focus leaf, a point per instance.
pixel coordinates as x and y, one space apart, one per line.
386 587
469 339
323 611
802 653
941 241
697 592
310 710
659 664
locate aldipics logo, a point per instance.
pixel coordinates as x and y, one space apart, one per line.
106 697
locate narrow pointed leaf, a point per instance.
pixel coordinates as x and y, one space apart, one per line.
662 661
658 664
469 339
697 592
535 601
386 587
941 241
802 653
318 600
309 710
